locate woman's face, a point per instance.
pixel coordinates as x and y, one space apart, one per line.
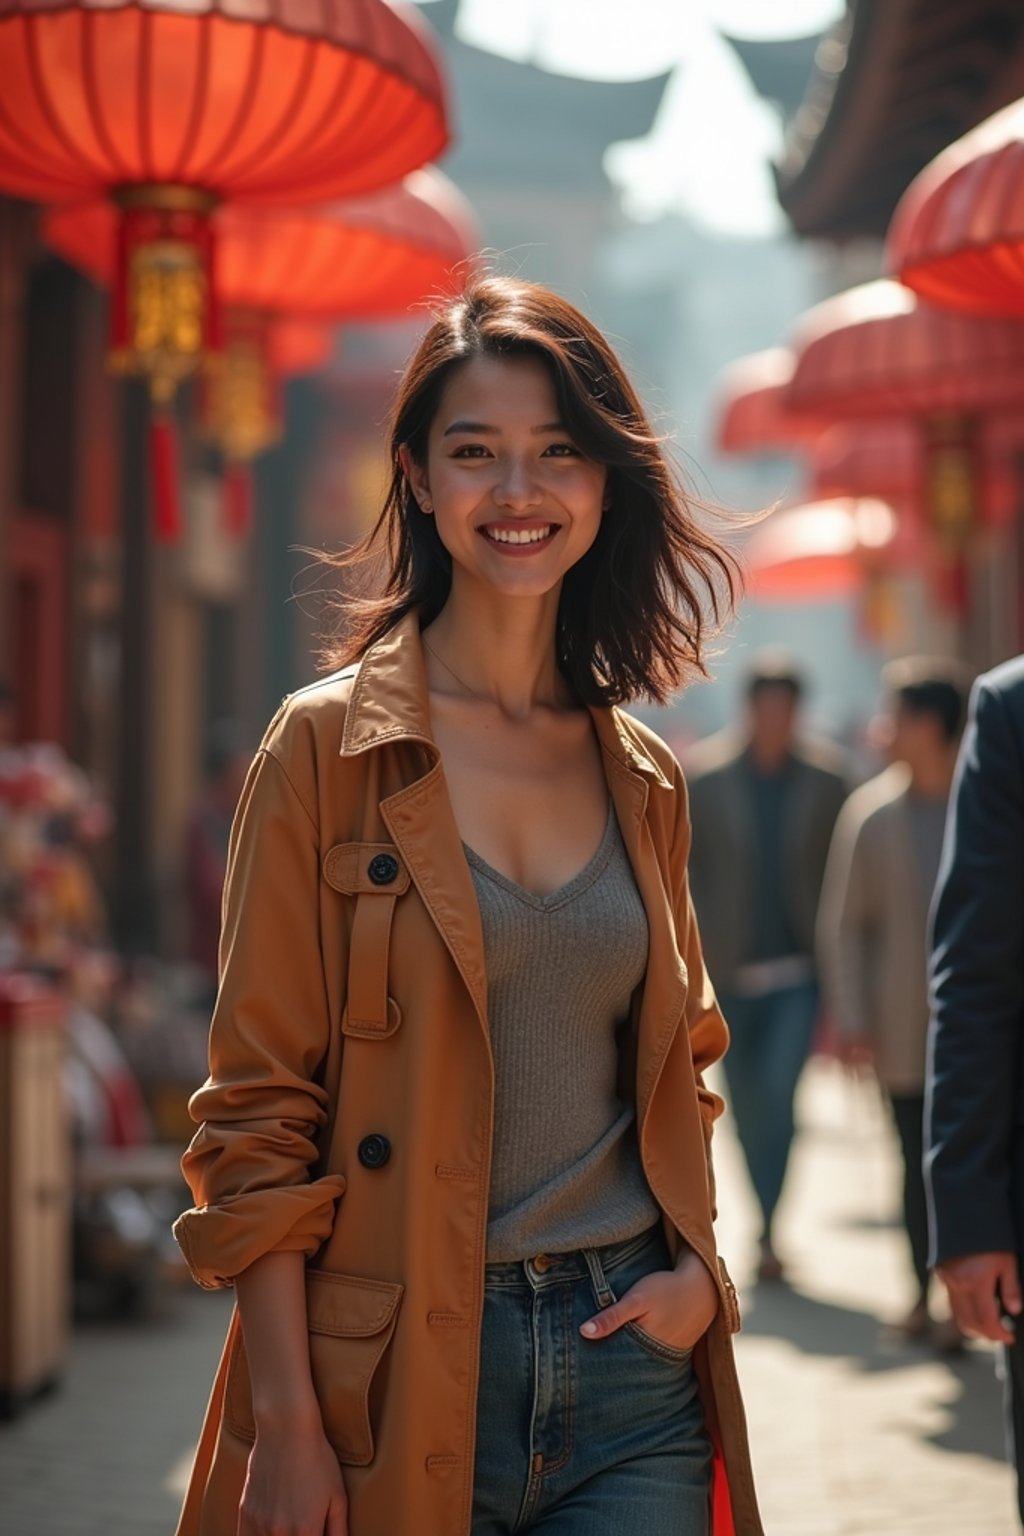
516 502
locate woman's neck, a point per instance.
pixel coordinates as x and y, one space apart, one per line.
498 649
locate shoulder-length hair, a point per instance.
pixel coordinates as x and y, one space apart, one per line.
630 616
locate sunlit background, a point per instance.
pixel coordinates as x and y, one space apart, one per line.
732 189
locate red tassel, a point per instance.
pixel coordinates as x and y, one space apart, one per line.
163 458
238 500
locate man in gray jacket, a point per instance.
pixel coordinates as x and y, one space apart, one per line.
763 805
873 922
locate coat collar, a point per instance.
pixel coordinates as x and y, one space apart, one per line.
390 702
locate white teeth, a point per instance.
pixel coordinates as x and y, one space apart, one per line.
518 535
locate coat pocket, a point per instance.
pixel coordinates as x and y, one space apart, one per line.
351 1323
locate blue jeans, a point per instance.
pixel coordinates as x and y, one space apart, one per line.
578 1437
770 1040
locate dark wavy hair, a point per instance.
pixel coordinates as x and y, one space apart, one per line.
630 616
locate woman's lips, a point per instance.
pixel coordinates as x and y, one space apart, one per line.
519 538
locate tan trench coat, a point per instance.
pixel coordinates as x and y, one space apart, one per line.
353 1007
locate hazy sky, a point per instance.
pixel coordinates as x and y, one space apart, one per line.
709 150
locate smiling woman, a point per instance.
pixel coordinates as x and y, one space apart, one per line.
455 1143
514 401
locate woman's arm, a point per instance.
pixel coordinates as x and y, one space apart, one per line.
252 1164
294 1485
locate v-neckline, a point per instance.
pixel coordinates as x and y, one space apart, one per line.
565 893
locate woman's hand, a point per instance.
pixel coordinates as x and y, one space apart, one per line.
676 1306
294 1485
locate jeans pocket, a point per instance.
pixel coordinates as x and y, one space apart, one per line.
657 1347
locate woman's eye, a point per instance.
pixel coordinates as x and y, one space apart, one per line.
562 450
470 451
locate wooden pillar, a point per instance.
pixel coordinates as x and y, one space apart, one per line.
281 486
17 242
134 906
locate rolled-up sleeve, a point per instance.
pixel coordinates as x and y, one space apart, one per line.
261 1108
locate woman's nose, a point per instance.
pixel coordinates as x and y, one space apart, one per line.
516 487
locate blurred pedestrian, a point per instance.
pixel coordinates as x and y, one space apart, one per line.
228 754
454 1062
974 1125
764 802
873 922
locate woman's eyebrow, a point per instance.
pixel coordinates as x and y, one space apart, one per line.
480 427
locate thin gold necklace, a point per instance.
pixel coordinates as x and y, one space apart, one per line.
461 682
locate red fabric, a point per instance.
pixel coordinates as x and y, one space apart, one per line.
722 1523
957 235
163 450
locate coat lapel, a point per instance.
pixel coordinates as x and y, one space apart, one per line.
422 823
664 989
390 702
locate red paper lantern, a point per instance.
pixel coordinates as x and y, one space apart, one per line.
170 107
957 236
370 258
284 103
300 346
883 459
820 550
374 257
876 351
752 414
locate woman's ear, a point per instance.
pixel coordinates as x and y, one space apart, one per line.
417 478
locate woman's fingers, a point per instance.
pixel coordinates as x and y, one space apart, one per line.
611 1318
671 1305
337 1519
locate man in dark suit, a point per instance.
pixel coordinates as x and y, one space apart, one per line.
974 1114
763 803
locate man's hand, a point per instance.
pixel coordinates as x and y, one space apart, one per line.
981 1287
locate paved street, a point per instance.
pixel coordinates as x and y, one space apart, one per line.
851 1438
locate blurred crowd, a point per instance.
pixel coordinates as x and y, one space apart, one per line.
813 892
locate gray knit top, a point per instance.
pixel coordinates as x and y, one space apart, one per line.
561 971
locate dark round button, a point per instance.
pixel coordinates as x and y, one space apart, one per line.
383 869
374 1151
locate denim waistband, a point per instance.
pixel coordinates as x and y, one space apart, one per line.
557 1268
